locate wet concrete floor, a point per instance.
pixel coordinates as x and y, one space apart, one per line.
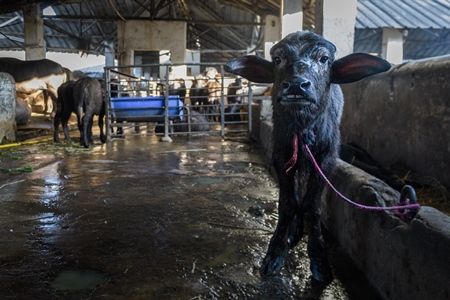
137 218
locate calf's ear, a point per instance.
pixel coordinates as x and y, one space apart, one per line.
253 68
357 66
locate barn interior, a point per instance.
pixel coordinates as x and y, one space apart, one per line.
73 231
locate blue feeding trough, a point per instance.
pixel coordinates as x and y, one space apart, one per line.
145 109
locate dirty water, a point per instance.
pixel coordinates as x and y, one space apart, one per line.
137 218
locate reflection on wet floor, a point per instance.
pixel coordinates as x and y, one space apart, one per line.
141 219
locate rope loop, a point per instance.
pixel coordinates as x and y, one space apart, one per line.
406 208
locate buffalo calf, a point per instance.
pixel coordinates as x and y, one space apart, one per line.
89 101
307 107
64 108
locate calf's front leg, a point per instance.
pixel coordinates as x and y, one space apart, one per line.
319 265
287 209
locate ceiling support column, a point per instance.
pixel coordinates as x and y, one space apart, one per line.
335 21
34 32
150 36
392 48
272 33
291 16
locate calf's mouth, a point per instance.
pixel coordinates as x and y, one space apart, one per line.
296 99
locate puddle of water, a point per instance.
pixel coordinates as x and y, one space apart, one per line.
230 255
232 166
78 280
100 171
206 181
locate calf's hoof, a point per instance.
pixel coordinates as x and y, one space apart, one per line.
270 266
103 138
321 271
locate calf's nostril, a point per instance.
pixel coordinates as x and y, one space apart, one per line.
305 84
286 84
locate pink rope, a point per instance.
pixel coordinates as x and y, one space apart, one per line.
290 164
360 206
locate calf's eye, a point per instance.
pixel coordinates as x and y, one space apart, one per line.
323 59
277 60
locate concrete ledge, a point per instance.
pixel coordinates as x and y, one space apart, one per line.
401 260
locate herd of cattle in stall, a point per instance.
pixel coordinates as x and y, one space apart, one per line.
44 86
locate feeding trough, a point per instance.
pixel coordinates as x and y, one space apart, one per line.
145 109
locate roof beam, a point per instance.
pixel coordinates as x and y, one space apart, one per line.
100 18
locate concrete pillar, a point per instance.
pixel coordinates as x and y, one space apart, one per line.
335 21
110 55
150 36
138 70
392 49
193 56
272 33
8 108
34 32
291 16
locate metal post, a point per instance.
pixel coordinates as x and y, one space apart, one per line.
107 103
166 137
188 118
222 104
249 116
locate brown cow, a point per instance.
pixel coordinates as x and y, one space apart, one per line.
32 76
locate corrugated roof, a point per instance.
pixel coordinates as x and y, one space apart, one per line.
401 14
224 25
91 24
418 43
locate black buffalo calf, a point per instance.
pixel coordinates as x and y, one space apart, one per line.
89 101
64 108
307 107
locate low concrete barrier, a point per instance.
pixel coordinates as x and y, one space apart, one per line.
402 260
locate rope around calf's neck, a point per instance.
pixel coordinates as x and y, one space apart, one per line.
290 164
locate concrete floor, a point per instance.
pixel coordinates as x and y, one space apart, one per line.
137 218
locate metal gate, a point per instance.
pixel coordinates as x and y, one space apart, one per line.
182 105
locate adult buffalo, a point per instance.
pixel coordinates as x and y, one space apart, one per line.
32 76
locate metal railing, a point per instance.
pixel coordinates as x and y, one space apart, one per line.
150 104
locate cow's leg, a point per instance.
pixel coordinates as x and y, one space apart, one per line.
319 264
66 130
56 122
54 98
79 113
86 120
287 209
45 94
90 134
65 120
100 124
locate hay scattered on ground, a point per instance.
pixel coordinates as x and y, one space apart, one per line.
430 191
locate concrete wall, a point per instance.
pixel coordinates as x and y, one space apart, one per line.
403 114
